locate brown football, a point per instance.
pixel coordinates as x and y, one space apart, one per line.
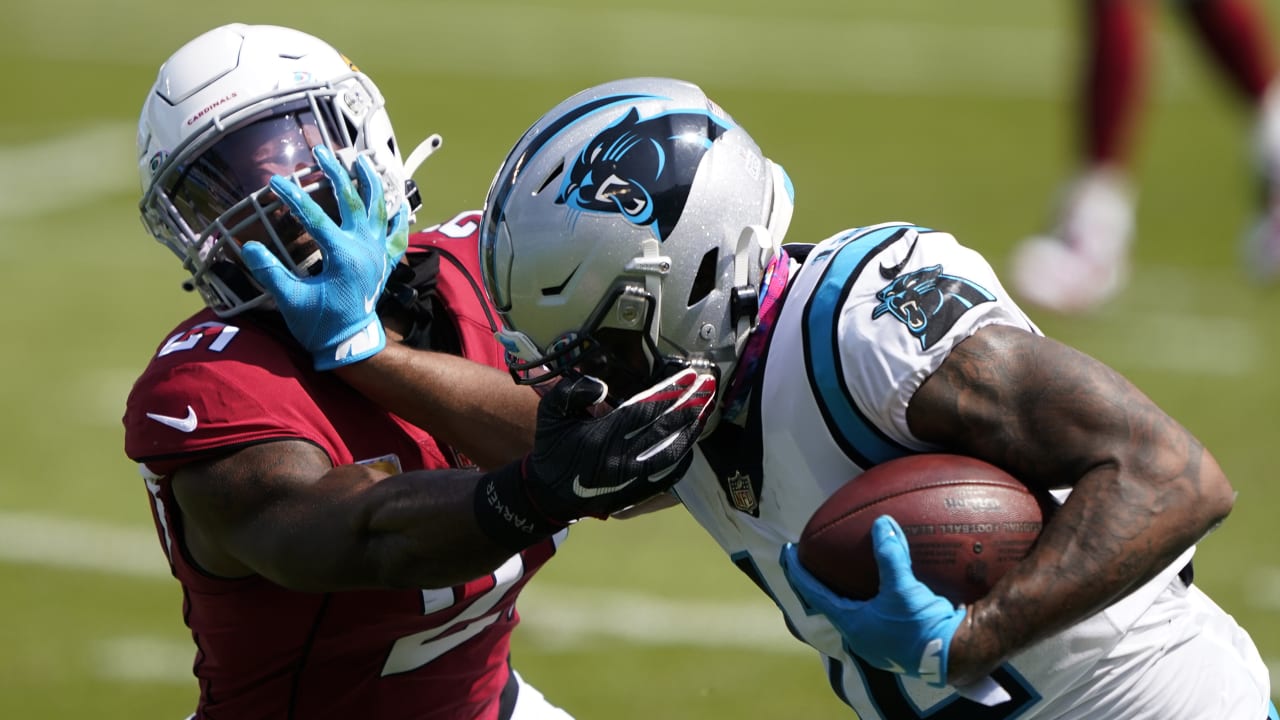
967 523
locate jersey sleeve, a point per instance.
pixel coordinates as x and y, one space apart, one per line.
913 296
215 386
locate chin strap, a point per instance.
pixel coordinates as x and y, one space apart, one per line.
425 149
750 259
758 246
412 195
776 275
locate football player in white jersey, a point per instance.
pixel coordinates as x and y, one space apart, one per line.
634 233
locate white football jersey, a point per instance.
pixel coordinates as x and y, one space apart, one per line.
868 316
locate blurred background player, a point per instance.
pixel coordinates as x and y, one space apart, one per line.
285 500
1083 261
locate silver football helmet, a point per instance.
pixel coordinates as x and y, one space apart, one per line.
230 109
638 205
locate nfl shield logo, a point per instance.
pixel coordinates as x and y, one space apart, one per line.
741 492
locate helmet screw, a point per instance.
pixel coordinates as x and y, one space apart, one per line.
355 101
707 331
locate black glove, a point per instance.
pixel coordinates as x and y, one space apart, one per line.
585 466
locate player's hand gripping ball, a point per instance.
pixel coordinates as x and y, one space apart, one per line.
967 523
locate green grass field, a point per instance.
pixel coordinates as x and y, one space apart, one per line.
952 115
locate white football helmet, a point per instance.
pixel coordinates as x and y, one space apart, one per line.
229 109
635 205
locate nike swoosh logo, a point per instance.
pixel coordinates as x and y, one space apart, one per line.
586 492
369 302
891 272
182 424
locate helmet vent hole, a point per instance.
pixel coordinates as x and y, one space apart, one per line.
553 290
705 281
353 132
550 178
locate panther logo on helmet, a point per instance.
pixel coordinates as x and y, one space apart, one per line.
642 169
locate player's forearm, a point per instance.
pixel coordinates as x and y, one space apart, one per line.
1114 534
474 408
1143 488
428 539
412 530
358 528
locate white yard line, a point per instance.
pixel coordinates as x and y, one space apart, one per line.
1150 328
782 51
1189 343
786 51
715 45
144 658
1146 328
553 616
556 615
1263 588
75 169
73 544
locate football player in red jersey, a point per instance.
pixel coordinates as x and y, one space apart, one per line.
339 554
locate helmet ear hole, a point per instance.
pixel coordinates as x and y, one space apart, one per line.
705 281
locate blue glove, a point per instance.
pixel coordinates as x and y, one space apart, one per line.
333 313
906 628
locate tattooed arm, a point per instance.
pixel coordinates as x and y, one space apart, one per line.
1144 488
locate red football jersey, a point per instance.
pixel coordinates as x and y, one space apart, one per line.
263 651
